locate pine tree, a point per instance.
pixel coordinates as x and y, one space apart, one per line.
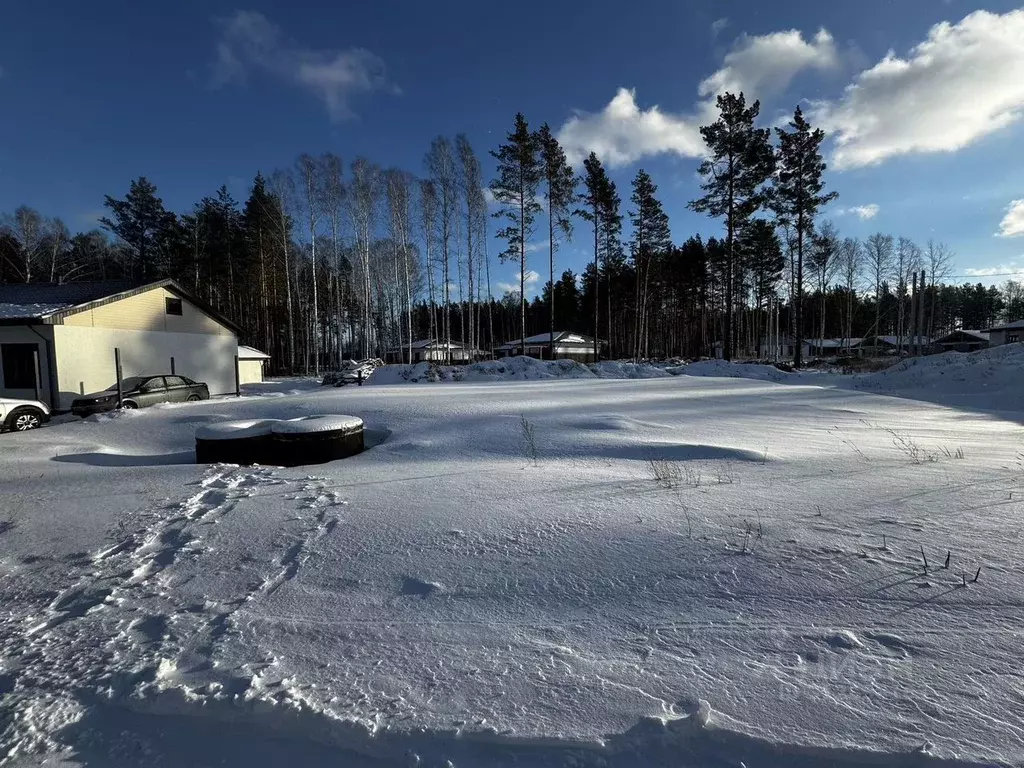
257 220
761 252
561 194
600 202
143 225
740 162
798 196
651 236
515 189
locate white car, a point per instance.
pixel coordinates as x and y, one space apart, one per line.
22 415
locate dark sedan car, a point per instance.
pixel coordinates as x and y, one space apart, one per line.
140 391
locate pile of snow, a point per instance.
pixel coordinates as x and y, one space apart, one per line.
311 425
612 369
506 369
522 369
991 378
726 369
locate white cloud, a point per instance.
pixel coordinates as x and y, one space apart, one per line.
1012 224
864 212
623 132
1009 271
251 42
963 82
532 278
718 26
762 65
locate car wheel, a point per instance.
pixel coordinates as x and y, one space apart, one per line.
193 398
23 420
128 405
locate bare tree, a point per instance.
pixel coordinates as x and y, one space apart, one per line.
365 204
824 263
940 266
879 253
428 226
282 186
440 162
476 210
332 203
907 261
308 171
397 185
57 241
28 228
851 262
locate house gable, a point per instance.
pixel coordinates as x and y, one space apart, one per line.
147 310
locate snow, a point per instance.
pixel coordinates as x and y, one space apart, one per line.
309 425
233 430
691 570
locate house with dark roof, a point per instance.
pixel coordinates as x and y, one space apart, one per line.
58 341
1009 333
434 350
567 345
962 341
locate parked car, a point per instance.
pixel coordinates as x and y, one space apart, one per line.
22 415
140 391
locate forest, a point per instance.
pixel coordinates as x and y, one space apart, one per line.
326 260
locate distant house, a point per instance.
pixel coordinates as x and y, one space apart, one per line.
251 365
58 341
962 341
831 347
432 350
1010 333
887 345
571 346
779 348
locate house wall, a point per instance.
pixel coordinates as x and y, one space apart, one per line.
249 371
997 338
148 312
85 357
24 334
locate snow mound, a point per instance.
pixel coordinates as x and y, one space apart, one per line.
520 369
990 375
611 369
508 369
308 425
725 369
232 430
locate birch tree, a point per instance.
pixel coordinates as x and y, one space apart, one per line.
397 190
308 173
440 162
879 254
365 187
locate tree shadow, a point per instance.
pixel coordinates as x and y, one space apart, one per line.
100 459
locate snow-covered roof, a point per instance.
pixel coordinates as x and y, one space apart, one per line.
949 337
251 353
1015 325
561 337
894 341
37 300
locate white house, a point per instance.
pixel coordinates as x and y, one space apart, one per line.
58 341
567 345
434 350
251 365
1010 333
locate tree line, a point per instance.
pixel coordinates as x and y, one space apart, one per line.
324 261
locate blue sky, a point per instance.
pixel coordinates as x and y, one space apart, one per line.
926 143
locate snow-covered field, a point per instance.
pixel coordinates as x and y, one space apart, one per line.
688 570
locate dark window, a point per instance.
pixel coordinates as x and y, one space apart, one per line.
173 306
154 384
19 363
1012 338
